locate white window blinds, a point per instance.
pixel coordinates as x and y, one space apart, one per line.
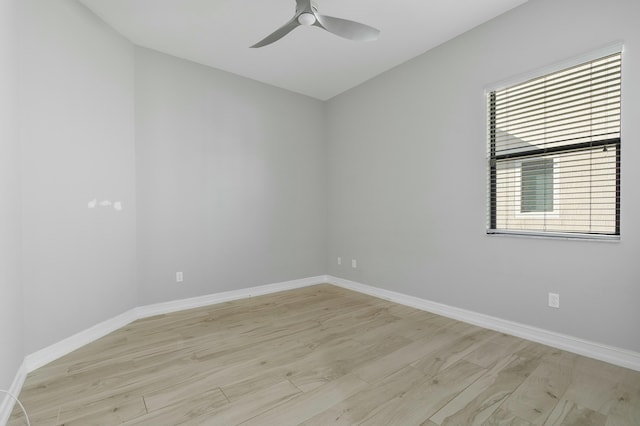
554 152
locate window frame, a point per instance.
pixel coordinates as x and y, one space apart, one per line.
493 158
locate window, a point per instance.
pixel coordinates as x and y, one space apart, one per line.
554 153
536 186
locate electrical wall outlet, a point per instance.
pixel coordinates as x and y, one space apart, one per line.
354 263
554 300
179 277
339 261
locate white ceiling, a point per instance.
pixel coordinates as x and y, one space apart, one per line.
308 60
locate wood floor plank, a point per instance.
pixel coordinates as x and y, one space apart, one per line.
449 354
539 393
323 355
183 411
358 407
426 397
251 405
110 411
568 413
475 404
375 371
307 405
326 365
157 400
496 349
48 417
502 417
626 408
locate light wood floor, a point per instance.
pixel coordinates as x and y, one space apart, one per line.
323 355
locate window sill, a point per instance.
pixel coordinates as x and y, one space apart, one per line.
555 236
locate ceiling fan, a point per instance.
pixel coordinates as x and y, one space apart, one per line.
307 14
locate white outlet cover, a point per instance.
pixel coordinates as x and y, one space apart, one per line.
554 300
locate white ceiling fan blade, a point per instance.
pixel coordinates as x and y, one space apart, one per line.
279 33
347 29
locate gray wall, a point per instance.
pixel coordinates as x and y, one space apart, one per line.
11 326
231 181
407 179
77 139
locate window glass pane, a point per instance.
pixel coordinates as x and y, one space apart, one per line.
536 193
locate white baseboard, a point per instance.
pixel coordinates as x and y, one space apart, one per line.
6 407
610 354
70 344
52 352
227 296
602 352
